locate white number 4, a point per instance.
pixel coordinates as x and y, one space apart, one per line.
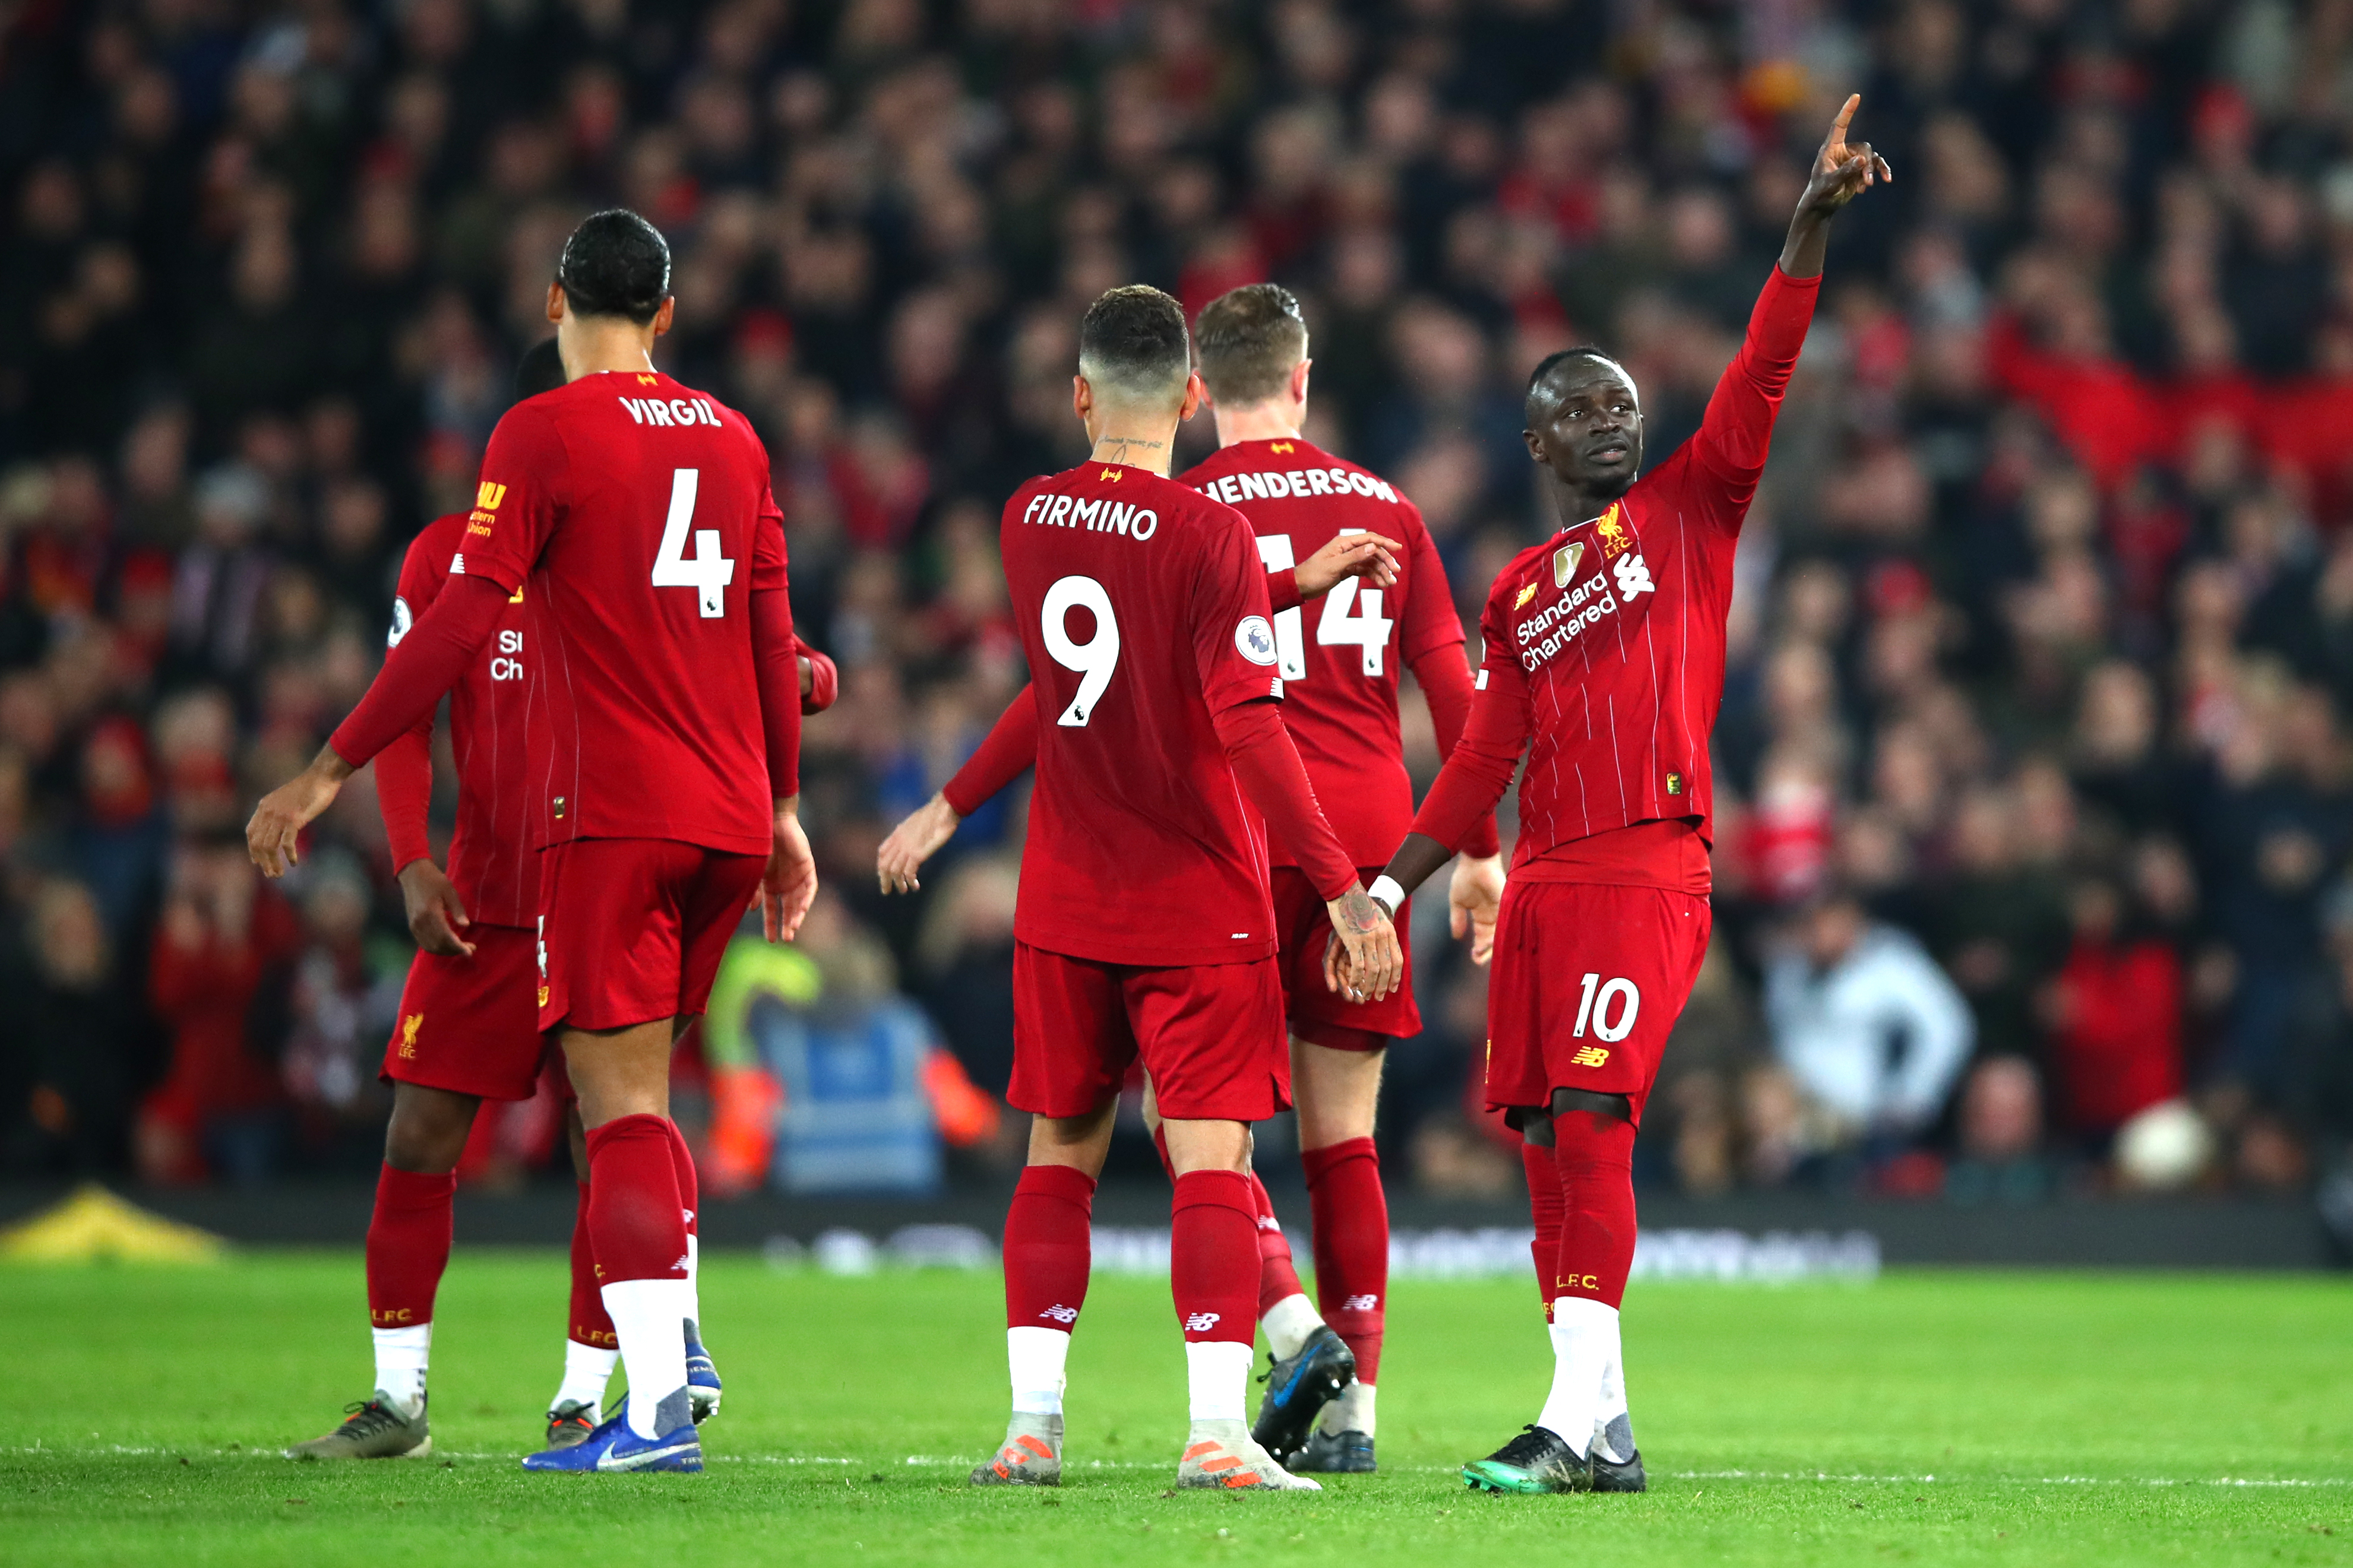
708 571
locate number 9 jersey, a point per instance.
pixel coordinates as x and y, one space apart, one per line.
1143 608
640 517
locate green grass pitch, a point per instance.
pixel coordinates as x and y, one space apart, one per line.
1933 1417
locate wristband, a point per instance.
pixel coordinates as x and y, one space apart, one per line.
1386 889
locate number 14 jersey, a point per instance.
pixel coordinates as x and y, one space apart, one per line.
1143 609
638 512
1341 656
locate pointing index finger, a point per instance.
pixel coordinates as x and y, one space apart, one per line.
1837 141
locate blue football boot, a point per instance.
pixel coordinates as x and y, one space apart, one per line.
613 1447
702 1385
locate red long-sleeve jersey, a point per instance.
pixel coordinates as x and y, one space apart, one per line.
1604 645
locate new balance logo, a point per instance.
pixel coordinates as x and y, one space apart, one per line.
1589 1057
1063 1315
1360 1303
1265 1221
1200 1322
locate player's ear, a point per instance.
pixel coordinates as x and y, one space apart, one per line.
664 313
1195 395
1299 381
1083 399
555 303
1535 446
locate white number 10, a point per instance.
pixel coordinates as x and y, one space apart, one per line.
1094 658
708 571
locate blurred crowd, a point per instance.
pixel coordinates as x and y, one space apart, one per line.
2035 777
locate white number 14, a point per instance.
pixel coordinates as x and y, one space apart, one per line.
707 571
1352 616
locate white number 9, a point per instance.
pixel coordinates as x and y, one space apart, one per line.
1094 658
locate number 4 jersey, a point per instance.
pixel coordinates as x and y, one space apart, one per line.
636 517
1143 611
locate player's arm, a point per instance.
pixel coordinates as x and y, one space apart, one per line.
404 693
404 787
1009 751
789 883
820 680
1366 555
523 466
1433 650
1266 765
1476 772
1738 425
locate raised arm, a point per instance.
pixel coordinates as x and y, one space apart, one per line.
1738 425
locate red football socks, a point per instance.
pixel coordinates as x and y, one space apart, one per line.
635 1227
682 1164
1049 1247
408 1245
1278 1275
590 1324
1351 1216
1595 1157
1212 1262
1544 1209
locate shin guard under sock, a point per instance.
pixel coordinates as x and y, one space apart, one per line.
638 1233
1351 1216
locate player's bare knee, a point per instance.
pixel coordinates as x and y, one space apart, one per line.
426 1133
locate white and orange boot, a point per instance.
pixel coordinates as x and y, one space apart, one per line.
1031 1455
1223 1455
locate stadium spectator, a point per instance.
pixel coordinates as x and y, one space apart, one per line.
1867 1026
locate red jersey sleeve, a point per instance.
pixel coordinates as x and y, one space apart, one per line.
519 498
1479 769
403 770
1738 425
768 545
1431 620
1011 750
1233 632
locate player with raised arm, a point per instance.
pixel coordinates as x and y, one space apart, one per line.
1330 530
1144 929
636 520
1604 663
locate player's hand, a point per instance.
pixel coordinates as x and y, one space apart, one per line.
273 836
1365 556
436 915
1367 962
1473 899
1840 171
913 842
788 886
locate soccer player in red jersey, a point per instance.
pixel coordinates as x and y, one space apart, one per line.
636 520
1604 663
1144 929
1320 521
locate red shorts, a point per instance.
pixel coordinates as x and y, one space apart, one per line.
634 928
1318 1016
470 1025
1588 984
1210 1034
